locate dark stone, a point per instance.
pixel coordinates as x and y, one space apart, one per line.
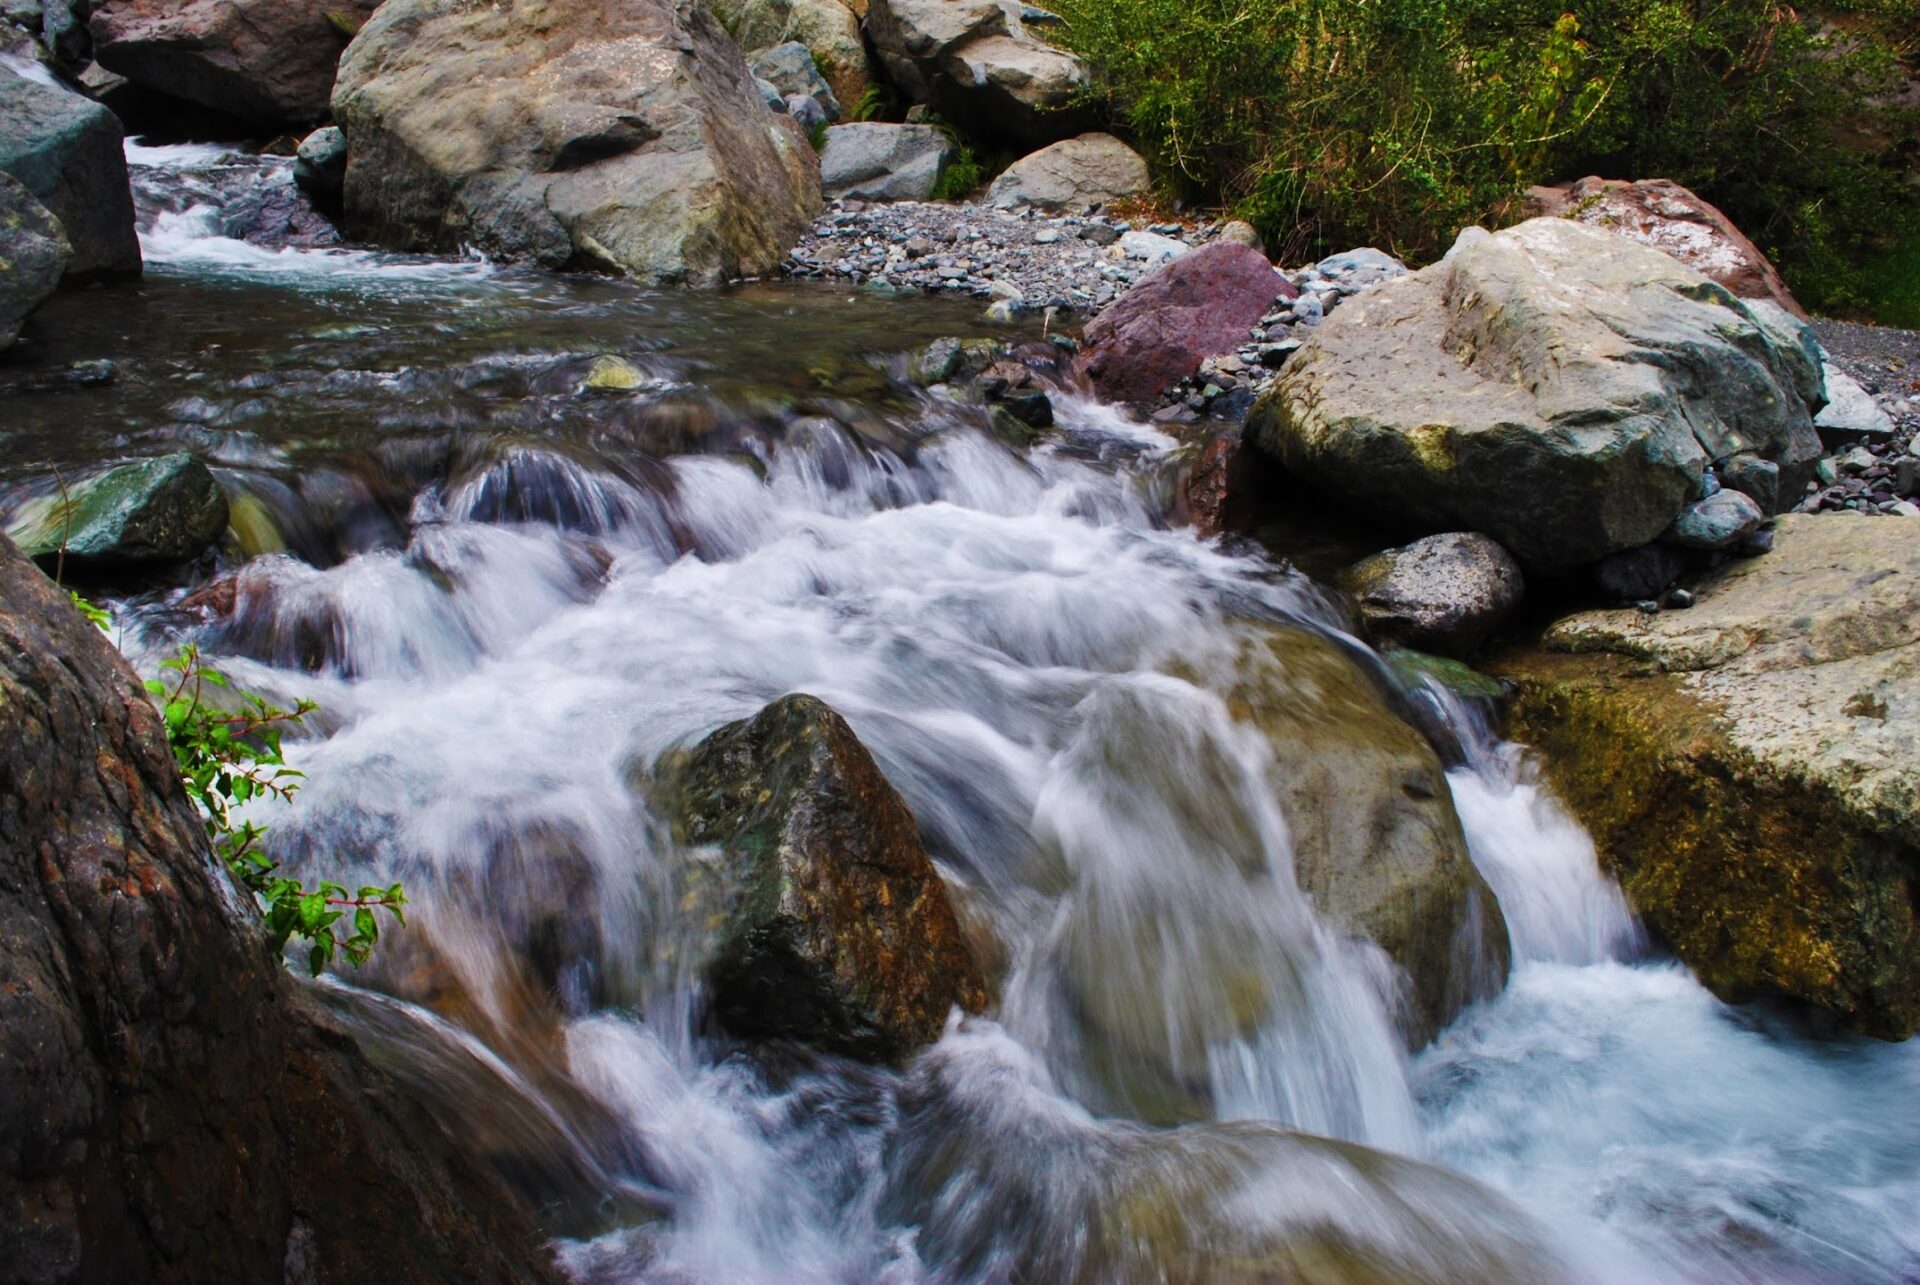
1031 406
173 1105
835 928
1194 307
1638 573
66 150
1445 593
160 510
1218 492
1755 477
1717 522
33 253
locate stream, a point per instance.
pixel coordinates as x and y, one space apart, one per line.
510 597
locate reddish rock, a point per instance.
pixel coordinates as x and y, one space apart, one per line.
1217 492
1660 213
265 61
1195 307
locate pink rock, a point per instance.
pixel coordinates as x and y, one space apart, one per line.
1660 213
1197 306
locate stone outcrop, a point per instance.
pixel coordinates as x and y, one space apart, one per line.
1445 593
267 62
33 254
154 511
627 137
1197 305
172 1105
1376 842
1076 175
66 151
1660 213
830 29
881 162
976 64
1750 768
835 928
1558 388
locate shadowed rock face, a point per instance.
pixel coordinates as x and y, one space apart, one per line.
33 254
627 137
836 929
172 1105
977 64
1560 389
66 150
268 62
1751 767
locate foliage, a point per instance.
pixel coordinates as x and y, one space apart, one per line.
817 137
230 756
876 103
1332 123
963 174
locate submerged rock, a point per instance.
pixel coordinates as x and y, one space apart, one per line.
173 1105
628 137
1446 593
33 254
1376 842
160 510
835 928
267 62
66 150
1751 767
1558 388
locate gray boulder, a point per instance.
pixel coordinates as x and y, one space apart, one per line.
975 63
628 138
1446 593
1078 174
829 29
877 162
158 510
33 254
67 152
1851 411
1719 521
268 62
1559 388
320 166
806 112
790 69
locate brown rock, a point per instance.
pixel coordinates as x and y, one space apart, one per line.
1197 306
1217 491
172 1106
1660 213
269 62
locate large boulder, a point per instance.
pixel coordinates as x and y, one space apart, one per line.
1750 768
627 136
975 63
879 162
1561 389
33 254
267 62
173 1107
1660 213
791 69
829 29
1376 842
1193 307
835 927
1445 593
158 510
1076 174
66 150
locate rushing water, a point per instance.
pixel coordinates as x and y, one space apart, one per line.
510 597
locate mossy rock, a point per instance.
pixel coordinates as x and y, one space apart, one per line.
159 510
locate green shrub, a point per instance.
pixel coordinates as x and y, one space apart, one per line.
1332 123
963 174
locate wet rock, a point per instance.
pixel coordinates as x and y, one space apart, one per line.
1160 331
1445 395
320 166
1750 767
835 928
267 62
1217 492
829 29
977 65
881 162
1079 174
159 510
66 151
629 138
1717 522
162 1076
945 360
1662 214
1376 842
1636 574
790 68
33 254
1445 593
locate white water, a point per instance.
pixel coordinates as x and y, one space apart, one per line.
1038 670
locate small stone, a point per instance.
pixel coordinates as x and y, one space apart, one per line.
1903 509
1715 522
1754 545
1648 606
1046 236
1677 600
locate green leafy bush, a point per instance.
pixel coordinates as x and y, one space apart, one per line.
1332 123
